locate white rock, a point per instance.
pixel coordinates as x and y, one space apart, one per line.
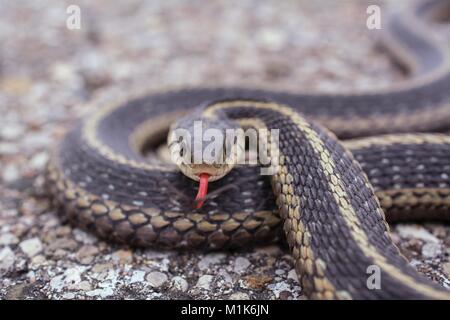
156 279
57 283
102 293
10 173
210 259
68 295
204 282
69 279
83 237
279 287
272 39
37 261
7 258
431 250
8 238
226 276
12 131
83 286
407 231
39 160
137 276
31 247
180 284
239 296
7 148
63 72
241 264
31 275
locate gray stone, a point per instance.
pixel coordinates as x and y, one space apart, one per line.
204 282
10 173
279 287
137 276
7 148
83 237
31 247
83 286
239 296
241 264
123 256
86 254
69 279
431 250
12 131
156 279
210 259
8 238
179 284
226 276
7 258
39 160
101 292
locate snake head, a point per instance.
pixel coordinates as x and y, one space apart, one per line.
202 145
204 148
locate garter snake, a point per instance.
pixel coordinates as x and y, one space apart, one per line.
345 160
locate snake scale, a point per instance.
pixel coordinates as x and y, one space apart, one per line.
346 160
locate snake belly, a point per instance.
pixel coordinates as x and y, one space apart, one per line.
331 215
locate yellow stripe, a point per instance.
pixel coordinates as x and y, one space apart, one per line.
341 198
327 290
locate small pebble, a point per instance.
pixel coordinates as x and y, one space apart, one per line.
62 243
12 131
156 279
257 282
241 264
123 256
239 296
7 258
39 160
86 254
70 278
204 282
8 238
7 148
31 247
101 293
180 284
279 287
100 267
10 173
431 250
137 276
83 286
210 259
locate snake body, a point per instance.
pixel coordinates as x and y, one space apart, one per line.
345 160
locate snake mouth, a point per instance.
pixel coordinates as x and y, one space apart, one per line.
202 190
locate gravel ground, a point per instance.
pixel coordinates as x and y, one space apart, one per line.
49 74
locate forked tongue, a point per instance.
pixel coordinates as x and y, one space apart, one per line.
202 190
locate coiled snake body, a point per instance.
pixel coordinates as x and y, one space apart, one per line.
332 216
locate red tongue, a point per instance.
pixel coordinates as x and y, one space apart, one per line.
202 190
